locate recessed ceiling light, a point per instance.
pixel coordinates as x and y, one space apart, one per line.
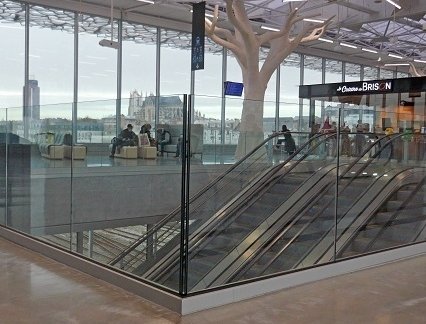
348 45
325 40
269 28
368 50
394 4
395 56
420 61
313 20
396 64
146 1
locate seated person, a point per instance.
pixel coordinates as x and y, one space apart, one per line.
146 129
289 144
126 138
164 138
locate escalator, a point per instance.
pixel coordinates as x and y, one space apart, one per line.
283 218
250 186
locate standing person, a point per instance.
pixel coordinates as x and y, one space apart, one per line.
359 138
126 138
346 142
289 144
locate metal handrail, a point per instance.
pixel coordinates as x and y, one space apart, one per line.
350 166
177 210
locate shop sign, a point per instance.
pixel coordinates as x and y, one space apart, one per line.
365 87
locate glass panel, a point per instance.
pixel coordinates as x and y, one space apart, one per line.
4 136
175 76
386 74
231 241
370 73
209 81
333 71
155 208
39 172
139 66
313 70
207 143
389 180
12 34
270 105
402 75
234 105
97 65
289 92
352 72
51 56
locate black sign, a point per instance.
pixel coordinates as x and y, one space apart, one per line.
363 88
198 29
370 87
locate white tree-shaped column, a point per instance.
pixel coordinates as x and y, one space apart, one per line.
245 44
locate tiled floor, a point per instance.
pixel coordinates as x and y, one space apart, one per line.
34 289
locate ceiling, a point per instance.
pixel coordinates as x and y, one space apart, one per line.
374 25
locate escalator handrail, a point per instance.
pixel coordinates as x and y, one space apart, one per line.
276 168
353 163
177 210
395 213
259 182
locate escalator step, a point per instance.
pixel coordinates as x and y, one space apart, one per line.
403 233
393 205
359 245
382 217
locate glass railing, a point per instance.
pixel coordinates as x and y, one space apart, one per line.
196 201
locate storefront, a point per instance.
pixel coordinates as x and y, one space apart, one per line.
399 104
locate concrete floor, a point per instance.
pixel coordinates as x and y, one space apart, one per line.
35 289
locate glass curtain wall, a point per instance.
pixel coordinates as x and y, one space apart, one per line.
234 105
139 58
289 92
313 68
386 74
208 104
51 55
333 71
352 72
12 55
97 81
270 105
370 73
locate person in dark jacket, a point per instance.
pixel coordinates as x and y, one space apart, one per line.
289 144
126 138
164 138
